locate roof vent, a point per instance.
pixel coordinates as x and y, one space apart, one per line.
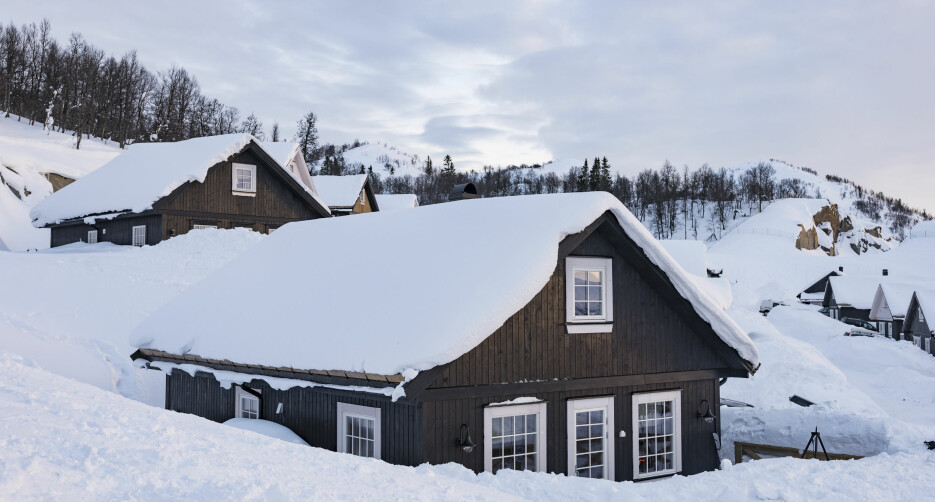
463 191
886 272
840 269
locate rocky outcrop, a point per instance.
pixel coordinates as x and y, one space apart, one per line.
830 232
58 181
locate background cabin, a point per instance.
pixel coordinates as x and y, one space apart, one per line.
346 195
918 326
610 370
889 307
123 203
815 293
850 296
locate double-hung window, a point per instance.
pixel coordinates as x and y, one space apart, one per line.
92 236
657 447
588 294
139 235
359 430
248 404
198 226
515 437
244 179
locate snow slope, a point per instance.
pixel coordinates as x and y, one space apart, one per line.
385 160
70 309
26 152
80 443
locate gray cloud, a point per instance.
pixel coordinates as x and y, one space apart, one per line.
841 86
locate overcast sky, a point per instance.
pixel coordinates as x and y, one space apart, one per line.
843 87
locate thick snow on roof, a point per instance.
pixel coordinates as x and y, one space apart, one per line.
926 298
394 201
897 295
339 191
346 310
137 178
856 291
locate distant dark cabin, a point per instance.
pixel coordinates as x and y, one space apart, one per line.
850 296
917 326
889 307
628 391
249 189
815 293
346 195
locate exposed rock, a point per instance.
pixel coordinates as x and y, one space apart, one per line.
58 181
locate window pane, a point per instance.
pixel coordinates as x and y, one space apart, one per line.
520 425
531 462
594 293
507 426
497 464
597 417
595 308
581 277
530 423
581 292
497 427
597 431
581 461
531 443
520 463
594 277
508 446
496 448
519 445
581 432
581 308
581 418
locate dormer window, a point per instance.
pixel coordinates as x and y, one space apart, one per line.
244 179
588 294
247 403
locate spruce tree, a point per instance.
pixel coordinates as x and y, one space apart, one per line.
306 136
428 165
584 179
606 181
449 169
594 180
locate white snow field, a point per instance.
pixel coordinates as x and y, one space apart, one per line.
70 309
26 152
64 440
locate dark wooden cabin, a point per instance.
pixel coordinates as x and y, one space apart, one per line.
918 327
850 296
815 292
266 198
630 391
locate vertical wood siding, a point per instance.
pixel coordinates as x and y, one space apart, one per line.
309 412
117 231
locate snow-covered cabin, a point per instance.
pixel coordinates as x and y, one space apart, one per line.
394 201
890 304
545 332
918 326
154 191
346 194
851 296
815 293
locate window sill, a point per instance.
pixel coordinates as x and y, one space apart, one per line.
243 194
589 327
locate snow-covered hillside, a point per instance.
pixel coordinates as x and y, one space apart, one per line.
27 156
385 160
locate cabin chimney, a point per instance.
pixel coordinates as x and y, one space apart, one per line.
886 272
841 269
463 191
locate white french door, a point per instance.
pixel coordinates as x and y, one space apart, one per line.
590 438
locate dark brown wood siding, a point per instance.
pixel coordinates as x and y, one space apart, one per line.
117 231
648 336
213 202
442 420
310 412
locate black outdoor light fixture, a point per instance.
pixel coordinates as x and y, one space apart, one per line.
464 439
706 415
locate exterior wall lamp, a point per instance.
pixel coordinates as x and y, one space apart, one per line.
464 439
706 415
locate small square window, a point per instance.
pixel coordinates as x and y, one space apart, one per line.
244 178
247 404
359 430
589 294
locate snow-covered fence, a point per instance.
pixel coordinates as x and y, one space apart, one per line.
766 231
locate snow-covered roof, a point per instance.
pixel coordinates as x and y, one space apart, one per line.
892 299
348 311
339 191
926 299
854 290
289 156
393 201
136 179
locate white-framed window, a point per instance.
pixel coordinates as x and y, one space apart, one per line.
589 294
139 235
657 427
198 226
515 437
247 404
92 236
359 430
590 438
244 178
